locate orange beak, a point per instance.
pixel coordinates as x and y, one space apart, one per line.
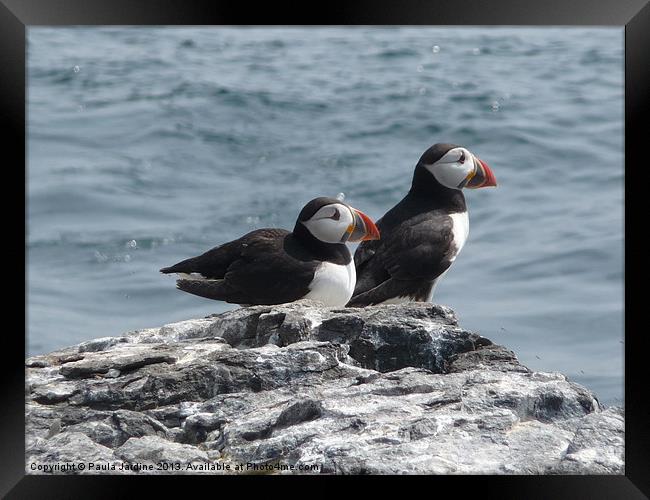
482 177
363 228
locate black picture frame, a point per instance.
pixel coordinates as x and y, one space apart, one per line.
634 15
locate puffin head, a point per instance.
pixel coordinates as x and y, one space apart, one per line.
332 221
456 167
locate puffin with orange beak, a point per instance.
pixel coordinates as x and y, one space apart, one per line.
422 235
274 266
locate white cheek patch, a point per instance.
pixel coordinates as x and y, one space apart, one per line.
327 229
448 175
448 171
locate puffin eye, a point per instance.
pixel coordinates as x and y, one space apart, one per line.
337 214
462 157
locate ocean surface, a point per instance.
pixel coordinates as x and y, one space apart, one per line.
150 145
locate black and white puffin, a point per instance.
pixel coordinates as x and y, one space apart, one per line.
422 235
275 266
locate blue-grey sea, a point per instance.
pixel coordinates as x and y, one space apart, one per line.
147 145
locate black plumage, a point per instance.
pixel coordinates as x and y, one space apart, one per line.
266 266
417 244
416 248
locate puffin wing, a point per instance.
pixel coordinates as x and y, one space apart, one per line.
365 251
420 253
259 271
413 253
369 268
214 263
370 271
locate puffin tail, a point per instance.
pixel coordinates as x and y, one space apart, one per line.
357 301
184 266
389 289
209 289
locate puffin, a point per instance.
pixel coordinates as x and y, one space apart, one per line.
423 234
274 266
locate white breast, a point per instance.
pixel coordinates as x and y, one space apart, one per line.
460 229
333 284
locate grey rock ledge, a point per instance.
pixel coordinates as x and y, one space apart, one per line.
395 389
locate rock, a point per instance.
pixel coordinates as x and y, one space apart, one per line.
299 388
586 452
62 454
153 450
422 336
